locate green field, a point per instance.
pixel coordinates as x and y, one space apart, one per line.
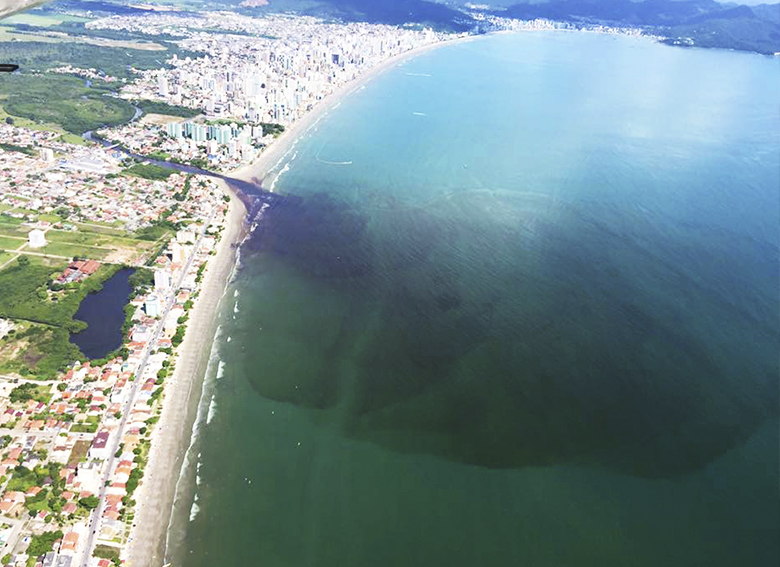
90 241
4 257
7 243
7 229
90 238
100 228
74 250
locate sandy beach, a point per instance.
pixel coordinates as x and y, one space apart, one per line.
257 170
171 436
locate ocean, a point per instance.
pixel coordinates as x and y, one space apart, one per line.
519 307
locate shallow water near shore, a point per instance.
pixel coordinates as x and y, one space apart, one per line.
521 308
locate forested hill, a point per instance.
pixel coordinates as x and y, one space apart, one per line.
703 23
394 12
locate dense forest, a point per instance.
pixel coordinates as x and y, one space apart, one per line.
63 100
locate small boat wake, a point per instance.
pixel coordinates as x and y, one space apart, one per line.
328 162
334 162
419 114
418 75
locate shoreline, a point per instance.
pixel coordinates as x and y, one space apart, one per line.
257 171
155 500
171 435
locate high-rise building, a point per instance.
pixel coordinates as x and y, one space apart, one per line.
47 154
162 85
175 129
224 134
152 306
199 132
162 281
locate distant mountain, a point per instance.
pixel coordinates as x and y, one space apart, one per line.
702 23
393 12
397 12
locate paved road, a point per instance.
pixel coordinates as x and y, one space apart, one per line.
13 537
17 380
94 520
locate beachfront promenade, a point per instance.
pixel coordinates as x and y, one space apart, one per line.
109 467
128 409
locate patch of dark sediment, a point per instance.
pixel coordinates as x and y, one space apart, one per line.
511 331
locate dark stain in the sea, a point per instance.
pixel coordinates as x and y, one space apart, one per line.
319 235
527 345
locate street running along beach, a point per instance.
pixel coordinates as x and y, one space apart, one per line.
182 392
258 171
172 436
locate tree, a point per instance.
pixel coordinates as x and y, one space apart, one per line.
44 543
10 122
90 502
23 261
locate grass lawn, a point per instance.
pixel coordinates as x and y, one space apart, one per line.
100 227
73 250
7 229
6 219
90 238
149 171
4 257
7 243
79 452
90 426
49 218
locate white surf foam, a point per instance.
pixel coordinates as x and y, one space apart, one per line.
212 410
194 509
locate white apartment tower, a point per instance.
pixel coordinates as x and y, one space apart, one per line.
162 281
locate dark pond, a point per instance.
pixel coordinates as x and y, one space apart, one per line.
104 313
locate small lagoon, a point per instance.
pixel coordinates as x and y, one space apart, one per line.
104 313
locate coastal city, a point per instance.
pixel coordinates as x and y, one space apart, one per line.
496 310
77 433
247 87
76 215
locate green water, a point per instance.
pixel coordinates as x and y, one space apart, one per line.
519 308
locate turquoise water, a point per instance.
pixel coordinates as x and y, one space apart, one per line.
520 307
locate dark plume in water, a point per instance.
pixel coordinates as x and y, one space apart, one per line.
523 342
